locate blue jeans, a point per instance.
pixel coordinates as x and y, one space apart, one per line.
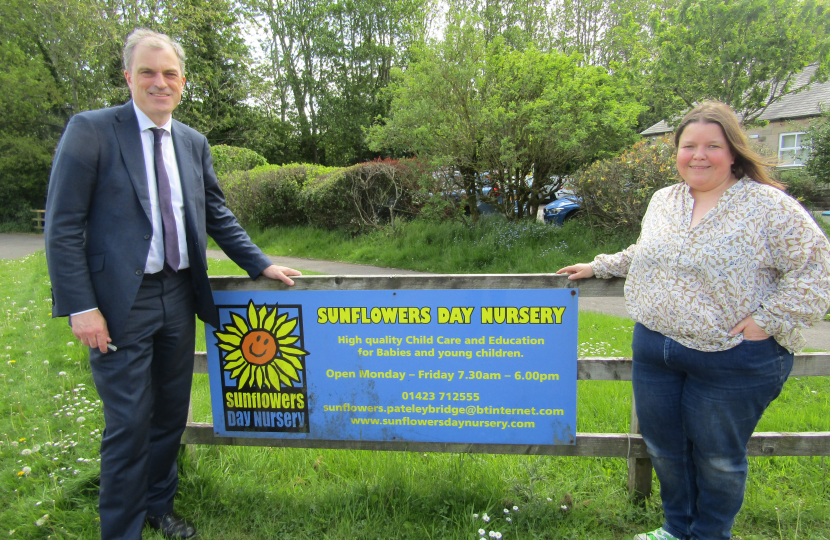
697 411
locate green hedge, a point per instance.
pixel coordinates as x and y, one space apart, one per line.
357 197
228 159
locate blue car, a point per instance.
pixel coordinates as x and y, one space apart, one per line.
561 209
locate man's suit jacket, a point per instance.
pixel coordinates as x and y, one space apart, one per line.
98 226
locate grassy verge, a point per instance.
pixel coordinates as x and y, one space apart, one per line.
494 246
50 424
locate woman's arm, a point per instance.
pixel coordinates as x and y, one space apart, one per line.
801 253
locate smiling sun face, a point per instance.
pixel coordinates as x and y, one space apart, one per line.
261 350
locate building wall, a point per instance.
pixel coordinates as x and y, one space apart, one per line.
767 139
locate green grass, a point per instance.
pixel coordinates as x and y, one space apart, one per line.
494 246
258 493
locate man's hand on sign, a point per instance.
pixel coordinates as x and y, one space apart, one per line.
281 273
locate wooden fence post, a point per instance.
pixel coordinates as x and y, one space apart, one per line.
39 219
639 469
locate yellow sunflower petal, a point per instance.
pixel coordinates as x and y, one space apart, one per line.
294 360
265 380
233 355
286 328
227 347
240 323
288 340
253 320
228 338
235 373
294 351
235 364
244 378
233 329
269 320
273 375
258 372
280 320
288 369
261 316
285 380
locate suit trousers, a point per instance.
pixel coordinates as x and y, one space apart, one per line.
145 387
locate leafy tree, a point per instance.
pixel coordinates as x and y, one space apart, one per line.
436 107
29 106
328 62
745 53
480 107
551 117
520 23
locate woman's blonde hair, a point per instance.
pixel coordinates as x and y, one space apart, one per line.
747 161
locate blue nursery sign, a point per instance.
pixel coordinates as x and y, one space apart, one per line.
460 366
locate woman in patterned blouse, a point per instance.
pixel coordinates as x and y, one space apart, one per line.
727 270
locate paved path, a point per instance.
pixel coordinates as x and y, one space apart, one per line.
15 246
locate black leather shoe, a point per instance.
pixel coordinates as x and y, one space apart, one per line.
171 526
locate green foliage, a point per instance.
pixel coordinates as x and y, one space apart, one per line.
365 195
801 185
745 53
228 159
325 199
494 245
818 163
328 61
615 192
267 196
478 106
28 132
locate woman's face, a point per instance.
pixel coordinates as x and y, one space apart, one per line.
704 159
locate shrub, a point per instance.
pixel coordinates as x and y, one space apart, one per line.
802 186
323 200
615 192
228 159
363 196
266 196
818 164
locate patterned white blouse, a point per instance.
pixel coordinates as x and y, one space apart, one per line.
757 252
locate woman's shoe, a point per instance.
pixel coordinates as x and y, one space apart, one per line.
659 534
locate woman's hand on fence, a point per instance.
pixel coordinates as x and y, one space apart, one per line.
577 271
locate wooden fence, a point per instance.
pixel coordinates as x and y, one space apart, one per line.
39 219
622 445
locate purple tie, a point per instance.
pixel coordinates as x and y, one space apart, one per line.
168 221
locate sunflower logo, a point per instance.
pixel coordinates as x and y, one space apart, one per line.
261 350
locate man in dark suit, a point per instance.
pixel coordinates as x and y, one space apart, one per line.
132 198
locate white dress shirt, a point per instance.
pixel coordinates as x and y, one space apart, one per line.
155 259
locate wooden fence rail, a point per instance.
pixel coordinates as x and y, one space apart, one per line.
622 445
39 219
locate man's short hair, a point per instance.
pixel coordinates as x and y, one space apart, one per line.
155 40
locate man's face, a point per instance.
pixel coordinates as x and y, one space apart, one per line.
156 81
